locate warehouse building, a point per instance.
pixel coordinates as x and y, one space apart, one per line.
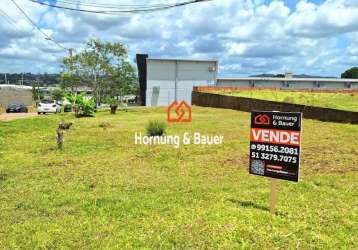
290 82
164 80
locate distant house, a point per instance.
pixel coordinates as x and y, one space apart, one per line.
15 94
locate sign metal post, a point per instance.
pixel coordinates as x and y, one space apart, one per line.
273 196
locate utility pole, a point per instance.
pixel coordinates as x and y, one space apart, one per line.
6 79
22 78
70 53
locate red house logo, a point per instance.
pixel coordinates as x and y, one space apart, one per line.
179 112
262 120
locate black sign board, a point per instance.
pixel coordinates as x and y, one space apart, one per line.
275 139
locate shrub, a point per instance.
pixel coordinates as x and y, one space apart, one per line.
156 128
82 105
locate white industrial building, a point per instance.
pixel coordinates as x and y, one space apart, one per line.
164 80
290 82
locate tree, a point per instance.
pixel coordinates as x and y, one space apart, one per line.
69 81
69 78
125 80
350 73
36 93
57 94
104 67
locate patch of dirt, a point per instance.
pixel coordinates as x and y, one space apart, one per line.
3 177
235 161
14 116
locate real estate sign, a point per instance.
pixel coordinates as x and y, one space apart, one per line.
275 139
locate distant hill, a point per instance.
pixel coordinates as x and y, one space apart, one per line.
294 76
30 79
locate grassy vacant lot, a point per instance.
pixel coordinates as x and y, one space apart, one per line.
342 101
103 191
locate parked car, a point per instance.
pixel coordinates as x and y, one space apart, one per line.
17 108
48 106
130 99
67 106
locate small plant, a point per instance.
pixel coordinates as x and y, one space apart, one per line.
65 125
113 104
59 138
104 125
156 128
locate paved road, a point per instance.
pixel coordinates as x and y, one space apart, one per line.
14 116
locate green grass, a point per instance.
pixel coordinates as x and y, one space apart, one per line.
102 191
342 101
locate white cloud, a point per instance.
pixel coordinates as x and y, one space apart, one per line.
330 18
247 36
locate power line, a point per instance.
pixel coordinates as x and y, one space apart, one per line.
141 9
37 27
118 6
7 17
104 5
11 21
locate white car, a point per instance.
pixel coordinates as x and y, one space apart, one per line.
48 106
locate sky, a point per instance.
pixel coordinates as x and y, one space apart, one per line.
248 37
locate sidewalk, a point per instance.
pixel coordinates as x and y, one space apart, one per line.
14 116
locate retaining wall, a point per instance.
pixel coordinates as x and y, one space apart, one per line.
10 95
250 104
